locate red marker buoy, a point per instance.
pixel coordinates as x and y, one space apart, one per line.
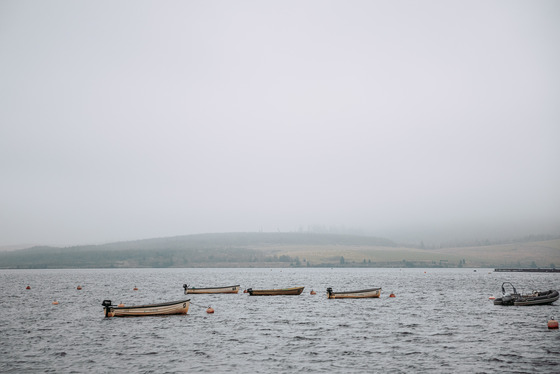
79 287
313 292
392 295
244 291
135 288
209 310
491 298
552 324
55 302
27 288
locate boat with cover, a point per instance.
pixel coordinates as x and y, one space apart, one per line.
226 289
162 309
360 294
275 292
534 298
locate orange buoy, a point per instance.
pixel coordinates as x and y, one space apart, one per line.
210 310
244 291
552 324
313 292
120 305
392 295
424 272
79 287
55 302
492 298
135 288
27 288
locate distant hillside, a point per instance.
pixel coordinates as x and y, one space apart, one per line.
226 240
225 249
280 250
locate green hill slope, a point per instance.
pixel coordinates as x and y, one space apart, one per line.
279 250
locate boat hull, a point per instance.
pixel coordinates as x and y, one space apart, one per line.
360 294
162 309
202 290
276 292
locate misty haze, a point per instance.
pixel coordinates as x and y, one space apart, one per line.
413 121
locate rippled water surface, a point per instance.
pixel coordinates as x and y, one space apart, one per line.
440 321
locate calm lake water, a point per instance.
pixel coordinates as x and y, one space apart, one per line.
440 321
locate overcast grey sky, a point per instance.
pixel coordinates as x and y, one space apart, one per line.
136 119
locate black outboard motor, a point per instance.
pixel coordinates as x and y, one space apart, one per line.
329 291
507 298
107 305
185 286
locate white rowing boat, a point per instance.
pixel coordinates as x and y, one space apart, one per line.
276 292
361 294
162 309
227 289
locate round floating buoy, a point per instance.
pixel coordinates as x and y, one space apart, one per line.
491 298
424 272
27 288
313 292
120 305
392 295
55 302
244 291
209 310
79 287
135 288
552 324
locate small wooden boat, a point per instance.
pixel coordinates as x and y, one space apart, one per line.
162 309
361 294
534 298
227 289
274 292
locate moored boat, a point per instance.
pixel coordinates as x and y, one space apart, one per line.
534 298
275 292
161 309
360 294
200 290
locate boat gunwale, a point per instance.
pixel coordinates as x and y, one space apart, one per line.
277 289
211 288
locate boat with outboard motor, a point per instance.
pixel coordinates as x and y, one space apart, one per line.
276 292
199 290
161 309
360 294
534 298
